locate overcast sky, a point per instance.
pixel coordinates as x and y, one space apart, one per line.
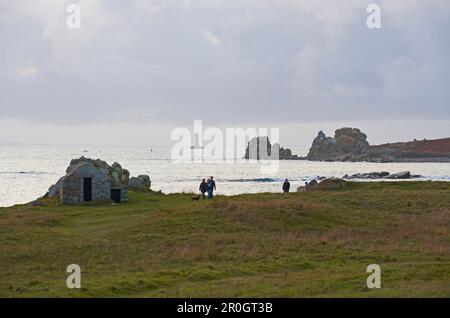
148 65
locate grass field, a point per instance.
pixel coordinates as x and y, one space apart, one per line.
311 244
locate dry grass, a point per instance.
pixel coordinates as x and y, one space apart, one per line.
303 244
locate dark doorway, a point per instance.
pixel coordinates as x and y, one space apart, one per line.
87 189
115 195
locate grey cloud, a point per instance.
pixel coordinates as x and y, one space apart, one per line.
282 61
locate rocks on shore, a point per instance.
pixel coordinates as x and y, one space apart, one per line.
332 184
382 175
324 184
141 183
340 183
312 183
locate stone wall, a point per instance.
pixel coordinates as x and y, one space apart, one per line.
123 193
105 178
72 185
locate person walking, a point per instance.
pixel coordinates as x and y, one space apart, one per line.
203 187
211 186
286 186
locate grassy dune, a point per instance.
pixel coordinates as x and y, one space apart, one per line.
265 245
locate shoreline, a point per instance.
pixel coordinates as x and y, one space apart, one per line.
421 160
219 195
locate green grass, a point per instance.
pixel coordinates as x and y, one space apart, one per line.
312 244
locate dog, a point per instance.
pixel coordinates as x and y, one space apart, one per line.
195 198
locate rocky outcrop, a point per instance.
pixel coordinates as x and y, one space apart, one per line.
118 175
332 184
382 175
403 175
368 175
308 185
323 148
348 144
260 148
141 183
312 183
324 184
53 191
286 154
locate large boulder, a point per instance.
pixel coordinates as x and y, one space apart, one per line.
260 148
348 144
118 175
323 148
368 175
351 141
141 183
53 191
308 186
332 184
312 183
97 163
401 175
324 184
146 180
286 154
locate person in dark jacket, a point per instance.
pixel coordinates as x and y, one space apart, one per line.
211 186
203 187
286 186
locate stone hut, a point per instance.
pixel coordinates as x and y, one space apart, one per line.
89 180
88 183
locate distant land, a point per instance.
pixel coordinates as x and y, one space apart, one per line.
350 144
418 150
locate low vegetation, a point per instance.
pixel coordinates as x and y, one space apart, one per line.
315 244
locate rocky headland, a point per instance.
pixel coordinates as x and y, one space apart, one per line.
350 144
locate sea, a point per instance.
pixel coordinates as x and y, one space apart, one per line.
27 171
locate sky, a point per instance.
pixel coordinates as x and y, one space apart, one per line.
137 69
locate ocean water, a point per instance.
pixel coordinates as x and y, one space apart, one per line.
26 172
